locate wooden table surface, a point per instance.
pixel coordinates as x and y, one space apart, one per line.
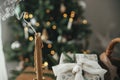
30 76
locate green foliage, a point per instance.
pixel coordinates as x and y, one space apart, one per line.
69 59
15 74
48 14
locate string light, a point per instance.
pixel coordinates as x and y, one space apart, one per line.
37 24
31 38
85 21
26 16
86 51
72 12
30 16
65 15
49 45
72 15
43 78
26 28
47 11
52 52
45 64
70 19
48 23
54 27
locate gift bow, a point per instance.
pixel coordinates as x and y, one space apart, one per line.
87 65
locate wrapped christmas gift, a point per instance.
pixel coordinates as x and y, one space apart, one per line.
86 67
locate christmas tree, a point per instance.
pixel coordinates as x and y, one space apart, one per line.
62 25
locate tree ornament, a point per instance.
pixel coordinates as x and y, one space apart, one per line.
33 21
55 56
37 24
82 4
15 45
62 8
21 64
24 24
44 36
64 40
61 39
70 23
26 32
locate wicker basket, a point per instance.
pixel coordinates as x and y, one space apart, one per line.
112 64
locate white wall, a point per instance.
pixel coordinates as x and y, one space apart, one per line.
104 18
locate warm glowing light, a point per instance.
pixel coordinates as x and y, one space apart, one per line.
48 23
86 51
52 52
26 28
30 16
70 19
72 14
37 24
26 16
65 15
31 38
45 64
49 45
47 11
85 21
43 78
54 27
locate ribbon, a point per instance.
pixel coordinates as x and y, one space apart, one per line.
82 64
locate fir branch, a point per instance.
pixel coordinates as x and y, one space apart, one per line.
69 59
52 59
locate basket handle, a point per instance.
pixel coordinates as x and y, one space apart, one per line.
104 57
110 47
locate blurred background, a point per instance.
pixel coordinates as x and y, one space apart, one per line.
102 17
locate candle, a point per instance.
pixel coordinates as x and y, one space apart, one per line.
38 56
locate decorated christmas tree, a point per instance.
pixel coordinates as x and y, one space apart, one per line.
62 25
